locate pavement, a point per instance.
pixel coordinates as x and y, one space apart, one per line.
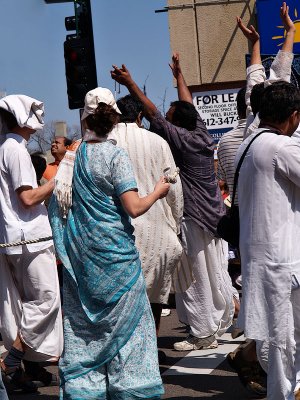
186 375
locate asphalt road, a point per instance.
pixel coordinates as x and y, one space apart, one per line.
197 374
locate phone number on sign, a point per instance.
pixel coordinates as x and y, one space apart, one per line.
220 121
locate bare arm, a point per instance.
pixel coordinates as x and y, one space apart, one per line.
289 28
182 89
255 72
281 68
122 76
135 205
31 197
252 35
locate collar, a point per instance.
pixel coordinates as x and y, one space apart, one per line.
18 138
241 123
91 136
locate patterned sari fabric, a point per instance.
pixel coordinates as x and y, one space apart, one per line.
105 300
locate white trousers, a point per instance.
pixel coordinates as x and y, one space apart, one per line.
30 303
283 365
207 306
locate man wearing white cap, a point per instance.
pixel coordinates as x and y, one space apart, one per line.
30 314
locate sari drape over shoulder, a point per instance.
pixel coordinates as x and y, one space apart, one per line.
96 246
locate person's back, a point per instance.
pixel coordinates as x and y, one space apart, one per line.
155 231
193 152
269 205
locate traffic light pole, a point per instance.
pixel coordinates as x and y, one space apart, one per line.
79 53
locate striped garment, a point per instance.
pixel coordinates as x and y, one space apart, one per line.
228 147
156 230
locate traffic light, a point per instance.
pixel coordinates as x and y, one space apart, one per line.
81 73
80 70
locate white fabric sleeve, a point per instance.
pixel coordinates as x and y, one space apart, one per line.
255 74
20 169
281 68
253 125
288 161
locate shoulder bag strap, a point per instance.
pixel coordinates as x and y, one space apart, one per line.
237 171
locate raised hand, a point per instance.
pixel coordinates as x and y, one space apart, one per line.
175 66
284 15
250 33
121 75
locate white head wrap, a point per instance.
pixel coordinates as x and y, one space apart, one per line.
28 112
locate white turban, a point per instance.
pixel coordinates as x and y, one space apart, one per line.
28 112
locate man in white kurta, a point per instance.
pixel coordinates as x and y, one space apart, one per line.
156 231
269 206
30 314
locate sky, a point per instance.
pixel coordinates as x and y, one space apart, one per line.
125 31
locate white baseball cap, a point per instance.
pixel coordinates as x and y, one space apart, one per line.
96 96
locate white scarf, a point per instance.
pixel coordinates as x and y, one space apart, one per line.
28 112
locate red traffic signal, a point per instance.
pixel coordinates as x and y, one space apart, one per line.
80 70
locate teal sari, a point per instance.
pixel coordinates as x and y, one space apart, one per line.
102 271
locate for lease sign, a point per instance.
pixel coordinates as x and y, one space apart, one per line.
217 108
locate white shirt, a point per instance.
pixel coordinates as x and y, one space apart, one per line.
269 206
16 221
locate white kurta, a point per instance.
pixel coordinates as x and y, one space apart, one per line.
269 201
29 289
280 70
156 231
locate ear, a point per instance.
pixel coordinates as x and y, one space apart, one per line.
293 122
139 119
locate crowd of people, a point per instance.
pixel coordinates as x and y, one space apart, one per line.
132 214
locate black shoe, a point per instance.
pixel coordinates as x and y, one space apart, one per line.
161 357
17 380
39 375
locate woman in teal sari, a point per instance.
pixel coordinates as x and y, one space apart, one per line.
110 347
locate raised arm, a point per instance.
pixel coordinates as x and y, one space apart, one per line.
182 89
255 72
280 69
122 76
289 27
252 35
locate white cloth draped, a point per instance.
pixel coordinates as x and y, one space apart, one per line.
30 303
155 231
28 111
207 306
269 206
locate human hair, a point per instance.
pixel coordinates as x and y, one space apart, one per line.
241 103
185 115
8 119
130 108
68 142
278 102
102 120
39 163
255 97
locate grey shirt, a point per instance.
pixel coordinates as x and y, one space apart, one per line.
193 152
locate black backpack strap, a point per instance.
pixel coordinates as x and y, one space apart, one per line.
237 171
